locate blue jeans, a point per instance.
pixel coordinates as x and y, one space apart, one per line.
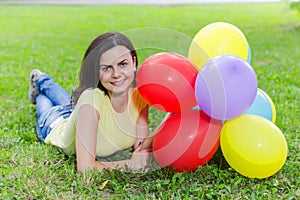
52 104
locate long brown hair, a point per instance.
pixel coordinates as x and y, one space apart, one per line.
89 72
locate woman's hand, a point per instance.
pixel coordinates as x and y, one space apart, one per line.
139 158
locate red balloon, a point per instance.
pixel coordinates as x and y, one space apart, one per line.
166 81
186 140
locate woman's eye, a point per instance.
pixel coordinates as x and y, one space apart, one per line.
124 64
106 68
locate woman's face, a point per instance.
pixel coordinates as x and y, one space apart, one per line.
117 69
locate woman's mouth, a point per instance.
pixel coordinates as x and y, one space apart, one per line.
118 83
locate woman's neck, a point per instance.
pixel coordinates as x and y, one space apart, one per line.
119 101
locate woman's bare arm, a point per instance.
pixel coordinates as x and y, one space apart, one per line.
147 142
141 128
86 141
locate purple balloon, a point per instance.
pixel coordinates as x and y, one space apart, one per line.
226 87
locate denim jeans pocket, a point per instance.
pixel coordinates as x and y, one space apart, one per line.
49 119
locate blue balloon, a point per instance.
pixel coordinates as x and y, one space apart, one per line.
249 54
196 108
261 106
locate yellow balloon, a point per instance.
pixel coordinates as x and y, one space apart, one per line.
216 39
253 146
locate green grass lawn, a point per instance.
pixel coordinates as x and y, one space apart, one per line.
54 39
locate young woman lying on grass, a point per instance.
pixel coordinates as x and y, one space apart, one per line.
104 115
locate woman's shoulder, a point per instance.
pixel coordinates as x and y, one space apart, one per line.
91 95
92 91
137 98
134 93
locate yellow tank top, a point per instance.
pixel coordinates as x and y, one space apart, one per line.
116 131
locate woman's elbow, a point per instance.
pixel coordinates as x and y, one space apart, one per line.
83 167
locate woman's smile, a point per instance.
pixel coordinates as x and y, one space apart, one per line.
117 69
118 83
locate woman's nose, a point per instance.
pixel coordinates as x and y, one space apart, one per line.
116 72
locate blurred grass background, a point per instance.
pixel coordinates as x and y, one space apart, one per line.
54 38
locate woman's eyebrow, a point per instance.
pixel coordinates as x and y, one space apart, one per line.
104 65
123 61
